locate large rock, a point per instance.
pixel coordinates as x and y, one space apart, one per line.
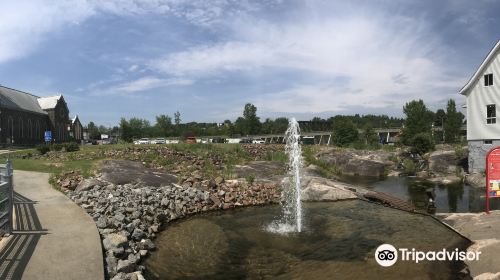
127 172
114 240
443 162
125 266
88 184
357 163
318 189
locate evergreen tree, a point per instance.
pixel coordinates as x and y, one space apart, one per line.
452 123
418 120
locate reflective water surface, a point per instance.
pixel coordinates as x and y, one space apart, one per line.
338 242
455 198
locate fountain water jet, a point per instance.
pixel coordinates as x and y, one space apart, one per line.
291 219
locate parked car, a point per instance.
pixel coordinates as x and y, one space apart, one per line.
160 141
258 141
218 140
142 141
246 141
191 140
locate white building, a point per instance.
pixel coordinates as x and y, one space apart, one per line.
483 100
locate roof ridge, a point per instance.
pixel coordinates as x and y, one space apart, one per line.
481 67
20 91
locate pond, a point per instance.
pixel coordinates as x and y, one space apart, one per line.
338 242
460 198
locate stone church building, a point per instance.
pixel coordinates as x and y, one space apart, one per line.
25 117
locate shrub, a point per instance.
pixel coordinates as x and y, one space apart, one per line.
56 147
422 143
43 149
409 167
71 147
250 178
459 152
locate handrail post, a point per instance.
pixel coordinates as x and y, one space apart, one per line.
11 194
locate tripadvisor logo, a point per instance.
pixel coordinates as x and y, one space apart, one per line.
387 255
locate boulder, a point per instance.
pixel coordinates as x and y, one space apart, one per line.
138 234
125 266
319 189
88 184
114 240
443 162
355 163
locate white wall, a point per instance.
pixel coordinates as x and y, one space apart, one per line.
478 98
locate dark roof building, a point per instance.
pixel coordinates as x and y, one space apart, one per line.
25 117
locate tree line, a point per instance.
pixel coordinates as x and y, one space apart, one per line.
346 129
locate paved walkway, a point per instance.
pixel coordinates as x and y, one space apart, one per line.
484 230
53 238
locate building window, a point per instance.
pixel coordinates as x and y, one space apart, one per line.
491 114
488 142
488 80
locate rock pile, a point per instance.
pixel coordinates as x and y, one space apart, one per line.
259 152
69 180
129 216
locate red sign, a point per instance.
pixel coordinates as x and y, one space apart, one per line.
492 176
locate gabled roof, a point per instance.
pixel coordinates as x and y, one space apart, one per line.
50 102
481 68
73 120
19 100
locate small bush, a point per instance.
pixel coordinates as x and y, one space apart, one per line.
71 147
250 178
422 143
409 167
43 149
459 152
56 147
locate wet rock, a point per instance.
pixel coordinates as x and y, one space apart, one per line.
319 189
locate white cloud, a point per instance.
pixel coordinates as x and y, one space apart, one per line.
147 83
377 57
25 24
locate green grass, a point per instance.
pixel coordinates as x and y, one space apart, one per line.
278 156
84 166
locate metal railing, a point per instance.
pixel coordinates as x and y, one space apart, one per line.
6 197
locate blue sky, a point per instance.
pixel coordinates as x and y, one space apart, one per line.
206 59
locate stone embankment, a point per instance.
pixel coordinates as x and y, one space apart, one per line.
358 162
129 216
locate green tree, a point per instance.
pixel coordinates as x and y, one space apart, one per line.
139 128
239 126
126 130
452 123
177 118
93 131
163 125
252 123
439 119
421 143
418 120
344 132
369 135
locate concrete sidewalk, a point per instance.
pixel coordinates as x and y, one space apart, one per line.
53 238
